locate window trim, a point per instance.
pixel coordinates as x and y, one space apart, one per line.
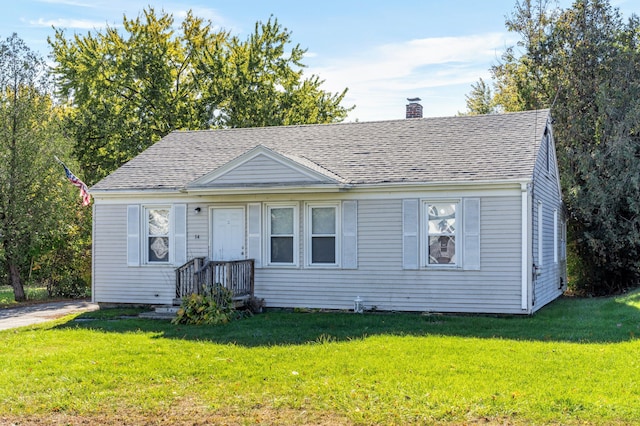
336 205
268 235
424 234
145 237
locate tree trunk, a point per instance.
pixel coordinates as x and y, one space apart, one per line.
16 283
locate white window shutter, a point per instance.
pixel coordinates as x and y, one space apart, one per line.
254 241
410 227
471 233
133 235
180 234
350 234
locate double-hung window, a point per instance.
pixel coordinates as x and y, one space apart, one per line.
157 230
156 235
323 234
283 236
442 225
441 234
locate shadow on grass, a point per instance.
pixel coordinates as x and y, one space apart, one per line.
580 320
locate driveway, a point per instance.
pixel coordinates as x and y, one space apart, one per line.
21 316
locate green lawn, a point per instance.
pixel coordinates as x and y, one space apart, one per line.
575 362
32 293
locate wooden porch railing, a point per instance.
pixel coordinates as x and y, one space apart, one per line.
199 277
186 283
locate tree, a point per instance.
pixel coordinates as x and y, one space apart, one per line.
31 192
129 90
596 66
480 101
584 63
263 85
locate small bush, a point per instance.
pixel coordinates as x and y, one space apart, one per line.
215 307
68 287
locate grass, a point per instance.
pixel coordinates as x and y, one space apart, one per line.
32 293
574 362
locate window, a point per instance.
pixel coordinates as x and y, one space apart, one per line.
441 233
157 234
322 228
282 234
540 233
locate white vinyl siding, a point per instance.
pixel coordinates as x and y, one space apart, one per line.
379 277
114 281
262 170
547 215
382 280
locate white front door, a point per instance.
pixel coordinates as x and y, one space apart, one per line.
227 233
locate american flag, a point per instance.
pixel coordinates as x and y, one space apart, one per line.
84 191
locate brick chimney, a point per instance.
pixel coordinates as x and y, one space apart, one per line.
414 109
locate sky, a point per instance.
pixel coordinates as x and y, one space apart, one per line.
383 52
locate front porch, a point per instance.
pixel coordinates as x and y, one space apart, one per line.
200 275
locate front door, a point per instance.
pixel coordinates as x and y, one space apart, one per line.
227 233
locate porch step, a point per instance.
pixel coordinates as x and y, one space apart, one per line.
161 312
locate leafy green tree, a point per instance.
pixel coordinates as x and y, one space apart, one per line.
32 194
583 62
480 100
129 90
263 84
596 67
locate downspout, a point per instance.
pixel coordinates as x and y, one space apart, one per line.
526 249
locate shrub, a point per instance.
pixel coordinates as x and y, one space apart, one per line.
213 307
68 286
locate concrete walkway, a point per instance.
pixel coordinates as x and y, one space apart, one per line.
21 316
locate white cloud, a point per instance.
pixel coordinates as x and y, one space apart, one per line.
83 24
439 70
70 3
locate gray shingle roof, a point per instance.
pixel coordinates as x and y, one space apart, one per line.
427 150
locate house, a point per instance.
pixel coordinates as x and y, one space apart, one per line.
451 214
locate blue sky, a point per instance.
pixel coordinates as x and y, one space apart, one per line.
384 52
